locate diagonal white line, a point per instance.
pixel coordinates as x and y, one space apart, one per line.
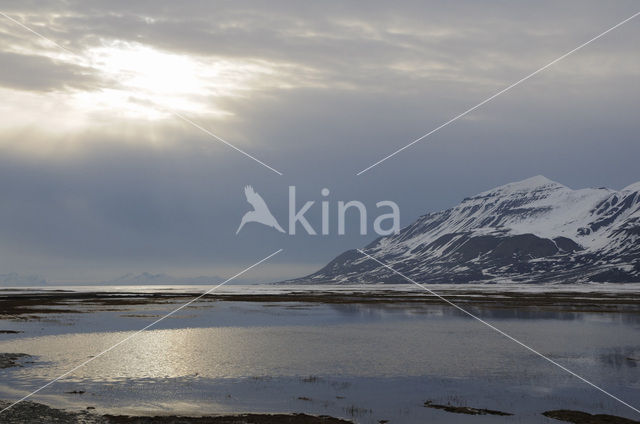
204 130
499 331
139 331
466 112
36 33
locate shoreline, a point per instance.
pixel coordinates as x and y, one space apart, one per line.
30 304
28 412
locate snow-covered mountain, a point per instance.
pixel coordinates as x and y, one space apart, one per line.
534 230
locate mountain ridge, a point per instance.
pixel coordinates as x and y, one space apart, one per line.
534 230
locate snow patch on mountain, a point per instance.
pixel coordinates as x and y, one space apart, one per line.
527 230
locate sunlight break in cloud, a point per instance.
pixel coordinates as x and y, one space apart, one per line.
148 83
127 83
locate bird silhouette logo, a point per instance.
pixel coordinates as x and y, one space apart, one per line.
260 212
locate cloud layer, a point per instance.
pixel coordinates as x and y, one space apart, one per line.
98 178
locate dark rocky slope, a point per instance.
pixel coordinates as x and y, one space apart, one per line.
531 231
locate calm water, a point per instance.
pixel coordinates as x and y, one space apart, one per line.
362 362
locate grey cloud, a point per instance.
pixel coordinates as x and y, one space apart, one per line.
415 44
38 73
376 78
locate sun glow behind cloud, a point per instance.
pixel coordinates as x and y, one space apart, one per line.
133 85
144 83
132 97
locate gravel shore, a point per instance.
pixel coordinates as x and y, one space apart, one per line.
32 412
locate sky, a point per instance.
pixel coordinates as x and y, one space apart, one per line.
110 165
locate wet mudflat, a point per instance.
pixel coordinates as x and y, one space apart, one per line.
366 355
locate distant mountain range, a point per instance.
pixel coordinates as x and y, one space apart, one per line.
15 278
150 278
531 231
143 278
